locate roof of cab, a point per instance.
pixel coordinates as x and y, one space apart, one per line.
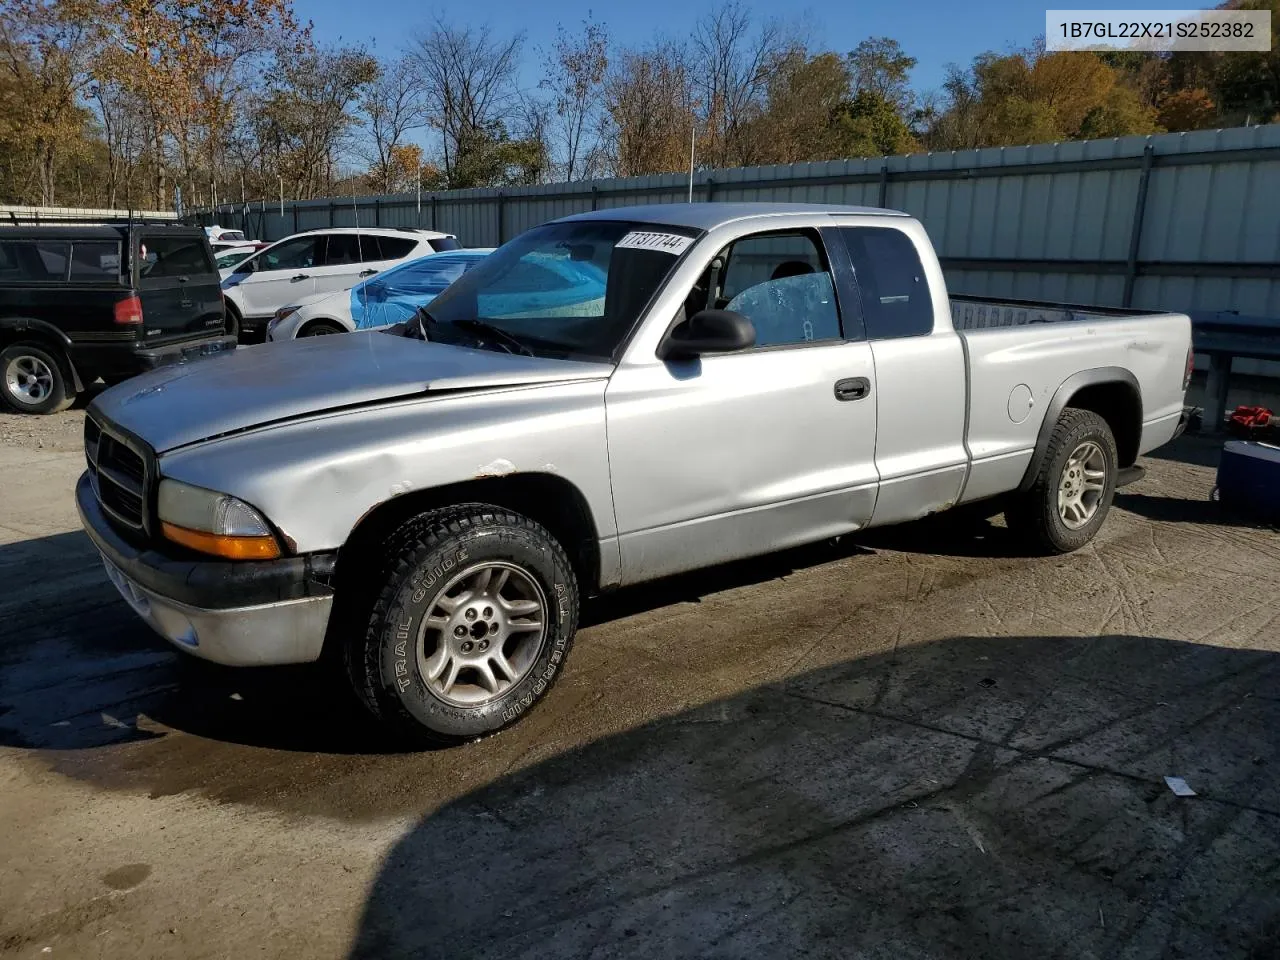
704 216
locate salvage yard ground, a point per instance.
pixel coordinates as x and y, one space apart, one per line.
913 744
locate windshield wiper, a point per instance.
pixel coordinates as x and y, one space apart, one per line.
505 340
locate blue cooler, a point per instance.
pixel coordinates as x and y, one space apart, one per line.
1249 479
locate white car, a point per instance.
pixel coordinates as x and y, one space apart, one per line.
217 234
318 261
379 301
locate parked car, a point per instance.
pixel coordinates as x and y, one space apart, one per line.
227 257
82 302
217 234
379 301
318 261
431 506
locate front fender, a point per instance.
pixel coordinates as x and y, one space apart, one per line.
315 477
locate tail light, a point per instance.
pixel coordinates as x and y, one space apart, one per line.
1191 365
128 312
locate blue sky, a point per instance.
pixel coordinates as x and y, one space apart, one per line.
935 32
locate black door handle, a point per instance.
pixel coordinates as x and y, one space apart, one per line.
367 273
301 276
853 388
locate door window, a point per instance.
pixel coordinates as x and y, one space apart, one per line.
343 249
27 260
296 254
95 260
780 282
896 301
390 248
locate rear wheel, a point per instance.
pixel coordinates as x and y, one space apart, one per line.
475 611
320 328
1073 491
32 380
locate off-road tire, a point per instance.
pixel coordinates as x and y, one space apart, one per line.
1034 515
61 393
419 560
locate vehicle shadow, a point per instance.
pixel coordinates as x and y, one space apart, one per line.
1182 510
970 797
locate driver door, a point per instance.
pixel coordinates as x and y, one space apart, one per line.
740 454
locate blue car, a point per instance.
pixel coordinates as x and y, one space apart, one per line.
380 301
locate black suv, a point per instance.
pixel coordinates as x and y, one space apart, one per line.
112 300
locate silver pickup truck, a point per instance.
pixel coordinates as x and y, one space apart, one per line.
609 398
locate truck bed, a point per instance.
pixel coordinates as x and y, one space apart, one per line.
976 313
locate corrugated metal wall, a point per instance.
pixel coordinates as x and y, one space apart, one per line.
1046 222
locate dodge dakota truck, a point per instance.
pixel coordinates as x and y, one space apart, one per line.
607 399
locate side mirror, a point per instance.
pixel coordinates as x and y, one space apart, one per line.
247 266
707 331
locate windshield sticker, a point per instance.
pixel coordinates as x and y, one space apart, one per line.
671 243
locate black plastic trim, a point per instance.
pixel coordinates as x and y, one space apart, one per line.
1061 398
207 584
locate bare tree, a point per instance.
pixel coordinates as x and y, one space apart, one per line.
468 76
393 106
735 62
576 70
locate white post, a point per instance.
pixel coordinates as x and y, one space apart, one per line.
280 177
693 136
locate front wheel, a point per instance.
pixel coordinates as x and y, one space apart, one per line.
320 328
1073 491
475 613
33 381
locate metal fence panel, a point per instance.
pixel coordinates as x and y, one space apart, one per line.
1186 221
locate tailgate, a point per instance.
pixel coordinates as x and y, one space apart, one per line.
179 287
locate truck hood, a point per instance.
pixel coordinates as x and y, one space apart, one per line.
249 387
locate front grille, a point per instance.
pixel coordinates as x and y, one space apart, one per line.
119 475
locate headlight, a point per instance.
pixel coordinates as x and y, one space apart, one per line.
214 523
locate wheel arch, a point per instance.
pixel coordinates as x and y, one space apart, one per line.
312 321
45 335
546 498
1113 394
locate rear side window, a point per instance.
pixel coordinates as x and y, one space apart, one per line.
33 260
896 301
393 248
441 244
95 260
343 248
161 257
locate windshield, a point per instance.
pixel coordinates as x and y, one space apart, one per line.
563 289
395 296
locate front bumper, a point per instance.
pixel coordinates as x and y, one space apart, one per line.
240 614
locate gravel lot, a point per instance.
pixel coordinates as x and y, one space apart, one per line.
916 744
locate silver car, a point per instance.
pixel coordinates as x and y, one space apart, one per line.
606 399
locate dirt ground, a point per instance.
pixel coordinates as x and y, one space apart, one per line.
915 744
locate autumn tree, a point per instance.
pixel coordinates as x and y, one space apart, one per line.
733 59
46 51
575 75
650 102
879 66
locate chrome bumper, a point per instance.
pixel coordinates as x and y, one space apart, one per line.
287 631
